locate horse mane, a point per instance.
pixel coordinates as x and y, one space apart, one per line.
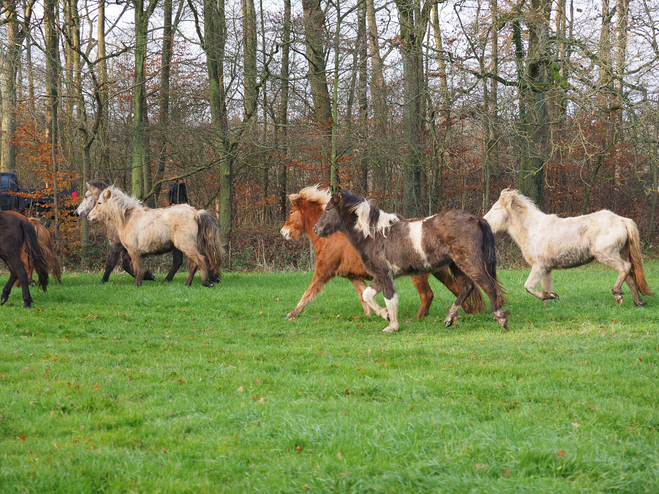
98 184
123 200
370 220
312 194
514 199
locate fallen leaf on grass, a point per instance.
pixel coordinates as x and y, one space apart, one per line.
241 389
561 454
339 455
574 424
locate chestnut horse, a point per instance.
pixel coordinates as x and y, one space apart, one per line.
391 247
550 242
47 249
336 257
144 231
17 233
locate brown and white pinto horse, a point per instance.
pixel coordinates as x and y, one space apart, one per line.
391 247
17 233
144 231
336 257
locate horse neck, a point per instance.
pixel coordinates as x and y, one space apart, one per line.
520 226
311 215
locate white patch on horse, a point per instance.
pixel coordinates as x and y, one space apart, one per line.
416 228
363 210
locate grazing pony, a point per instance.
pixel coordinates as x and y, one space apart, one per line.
17 233
391 247
336 257
94 189
549 242
47 249
144 231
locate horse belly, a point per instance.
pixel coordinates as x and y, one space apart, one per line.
571 258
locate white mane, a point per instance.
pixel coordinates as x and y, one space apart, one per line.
313 194
363 211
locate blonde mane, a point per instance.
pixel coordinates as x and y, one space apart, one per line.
513 199
123 201
312 194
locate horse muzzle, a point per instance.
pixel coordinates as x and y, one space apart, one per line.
285 233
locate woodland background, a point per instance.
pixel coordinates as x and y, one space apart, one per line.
418 105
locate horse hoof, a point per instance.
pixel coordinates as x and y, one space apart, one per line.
389 329
448 323
103 281
3 300
210 285
27 304
619 301
640 303
32 283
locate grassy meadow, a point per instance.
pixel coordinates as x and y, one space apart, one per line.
165 388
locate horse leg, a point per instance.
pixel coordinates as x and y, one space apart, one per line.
177 260
425 292
192 269
466 286
313 290
537 274
369 297
113 257
8 286
623 268
360 286
547 284
477 273
138 267
474 302
391 301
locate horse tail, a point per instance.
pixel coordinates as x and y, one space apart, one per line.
210 242
490 258
31 244
633 239
46 245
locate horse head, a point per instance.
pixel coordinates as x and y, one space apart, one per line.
90 199
100 211
331 221
294 225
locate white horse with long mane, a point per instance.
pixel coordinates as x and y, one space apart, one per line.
144 231
550 242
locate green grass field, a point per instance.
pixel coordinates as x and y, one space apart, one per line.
164 388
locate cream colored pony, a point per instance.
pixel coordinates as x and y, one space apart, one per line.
550 242
144 231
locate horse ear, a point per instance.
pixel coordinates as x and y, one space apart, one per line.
116 182
106 194
339 195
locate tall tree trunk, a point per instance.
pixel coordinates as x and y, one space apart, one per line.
104 156
535 88
52 99
215 37
163 99
314 24
16 33
139 95
362 98
381 179
412 94
282 132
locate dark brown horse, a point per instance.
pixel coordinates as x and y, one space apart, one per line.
47 249
391 247
336 257
17 233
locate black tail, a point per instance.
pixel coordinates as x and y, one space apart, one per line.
490 258
34 252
